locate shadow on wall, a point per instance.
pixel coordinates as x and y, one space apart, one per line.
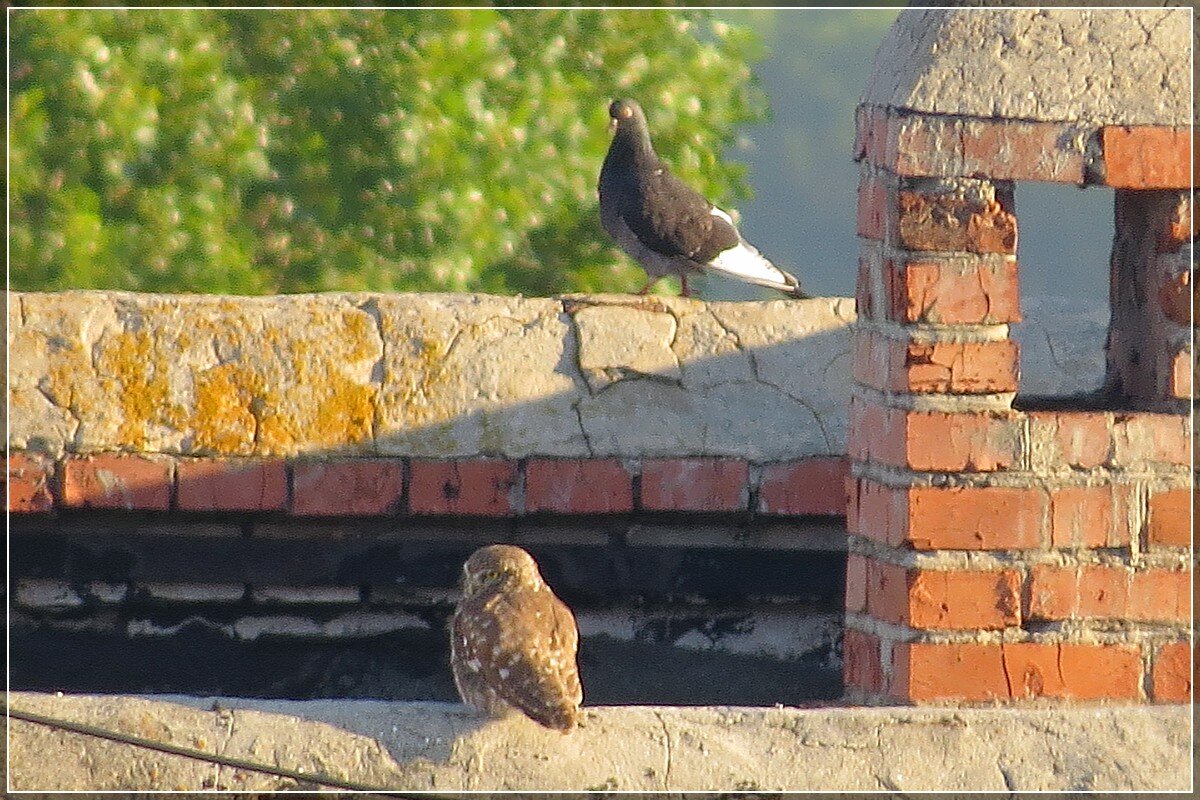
460 375
309 378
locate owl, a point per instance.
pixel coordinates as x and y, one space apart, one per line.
513 642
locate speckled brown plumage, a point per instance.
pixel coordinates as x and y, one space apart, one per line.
513 643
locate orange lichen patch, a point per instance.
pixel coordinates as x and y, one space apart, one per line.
133 367
298 397
278 388
223 408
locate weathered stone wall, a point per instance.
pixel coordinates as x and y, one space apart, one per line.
428 375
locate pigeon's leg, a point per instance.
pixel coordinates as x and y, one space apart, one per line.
686 292
646 289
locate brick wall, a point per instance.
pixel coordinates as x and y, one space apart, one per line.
1001 554
397 487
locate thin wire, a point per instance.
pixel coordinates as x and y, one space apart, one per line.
211 758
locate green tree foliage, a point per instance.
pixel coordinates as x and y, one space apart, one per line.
266 151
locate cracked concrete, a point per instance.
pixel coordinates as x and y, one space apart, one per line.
1114 66
444 747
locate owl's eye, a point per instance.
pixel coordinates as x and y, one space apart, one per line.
491 575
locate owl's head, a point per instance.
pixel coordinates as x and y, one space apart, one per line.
499 564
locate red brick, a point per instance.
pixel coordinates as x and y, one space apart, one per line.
939 442
813 486
856 582
1081 516
887 591
944 146
351 487
949 223
1093 591
924 671
944 367
988 517
922 146
117 481
975 517
1058 593
1160 595
877 512
960 367
578 486
939 599
866 421
854 516
1146 157
1081 439
1142 438
863 668
870 133
29 478
464 487
943 294
1022 151
231 485
695 484
872 205
964 600
1172 675
1169 519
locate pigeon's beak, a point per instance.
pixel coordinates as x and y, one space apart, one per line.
612 124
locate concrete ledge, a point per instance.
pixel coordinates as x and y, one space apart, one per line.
442 747
433 375
441 376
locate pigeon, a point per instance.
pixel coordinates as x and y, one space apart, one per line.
664 224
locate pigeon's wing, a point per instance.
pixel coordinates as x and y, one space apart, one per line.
672 219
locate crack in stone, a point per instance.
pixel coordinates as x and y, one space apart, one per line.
587 439
758 378
674 338
579 378
1008 782
370 307
807 407
225 719
732 334
667 754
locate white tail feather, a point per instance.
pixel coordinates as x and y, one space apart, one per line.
745 263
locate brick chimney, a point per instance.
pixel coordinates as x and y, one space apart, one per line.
1001 550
